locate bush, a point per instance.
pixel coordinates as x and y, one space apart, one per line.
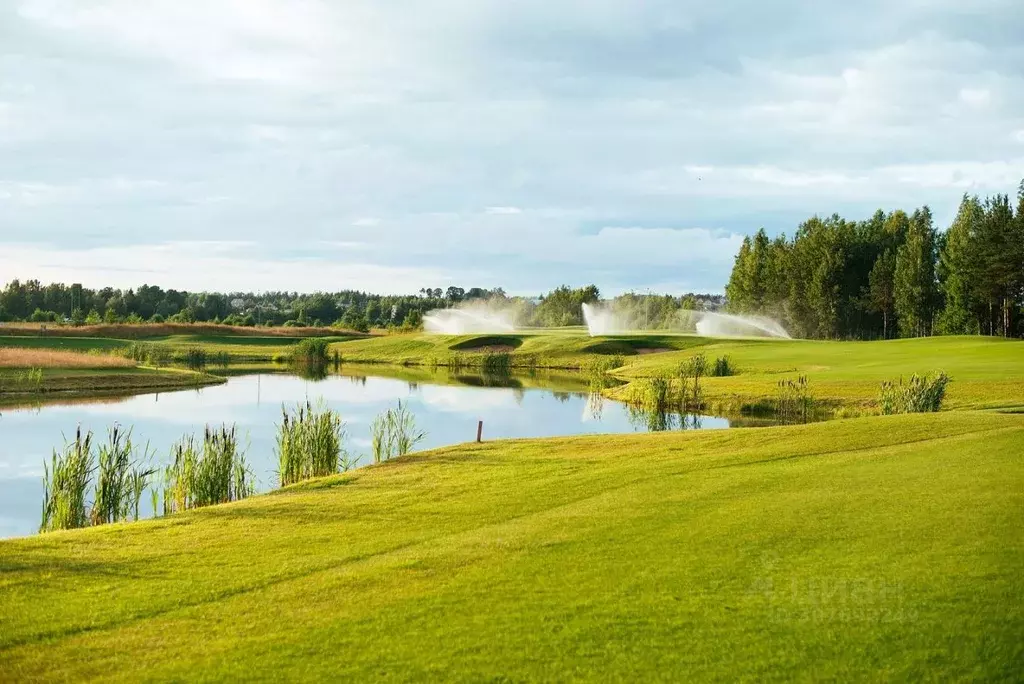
923 394
723 368
312 350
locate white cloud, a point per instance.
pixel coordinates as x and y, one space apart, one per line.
976 97
489 143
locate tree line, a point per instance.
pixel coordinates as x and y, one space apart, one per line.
31 301
891 275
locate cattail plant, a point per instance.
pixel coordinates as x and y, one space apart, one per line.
923 394
65 482
394 433
120 482
113 472
310 443
211 473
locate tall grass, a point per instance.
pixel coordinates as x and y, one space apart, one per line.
497 363
310 443
394 433
194 358
311 350
148 353
723 367
794 401
923 394
114 474
210 473
65 482
120 483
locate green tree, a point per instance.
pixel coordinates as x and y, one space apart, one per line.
881 288
738 290
914 276
956 268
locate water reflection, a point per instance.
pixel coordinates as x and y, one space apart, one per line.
447 405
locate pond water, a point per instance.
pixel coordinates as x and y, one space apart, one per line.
447 407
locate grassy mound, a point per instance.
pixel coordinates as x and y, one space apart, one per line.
880 547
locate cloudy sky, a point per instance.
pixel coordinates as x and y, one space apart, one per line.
393 145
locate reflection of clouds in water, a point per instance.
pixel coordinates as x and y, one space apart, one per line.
19 470
466 400
12 527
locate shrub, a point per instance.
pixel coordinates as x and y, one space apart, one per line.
311 350
723 367
923 394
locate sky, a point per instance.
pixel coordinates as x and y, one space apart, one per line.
389 145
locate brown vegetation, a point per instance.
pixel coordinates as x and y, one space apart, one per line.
14 357
142 330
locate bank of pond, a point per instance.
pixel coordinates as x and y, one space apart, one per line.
94 461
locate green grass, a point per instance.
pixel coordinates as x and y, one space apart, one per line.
552 349
874 548
241 349
986 372
63 382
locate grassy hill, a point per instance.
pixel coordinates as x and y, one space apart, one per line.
884 547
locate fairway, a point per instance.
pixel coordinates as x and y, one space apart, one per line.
885 547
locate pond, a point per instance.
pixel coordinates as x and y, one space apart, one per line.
446 406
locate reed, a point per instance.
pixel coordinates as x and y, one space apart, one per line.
65 482
794 400
213 472
310 443
120 481
923 394
194 358
312 350
394 433
113 472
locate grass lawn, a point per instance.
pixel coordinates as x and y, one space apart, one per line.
242 349
986 372
545 349
882 547
57 382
